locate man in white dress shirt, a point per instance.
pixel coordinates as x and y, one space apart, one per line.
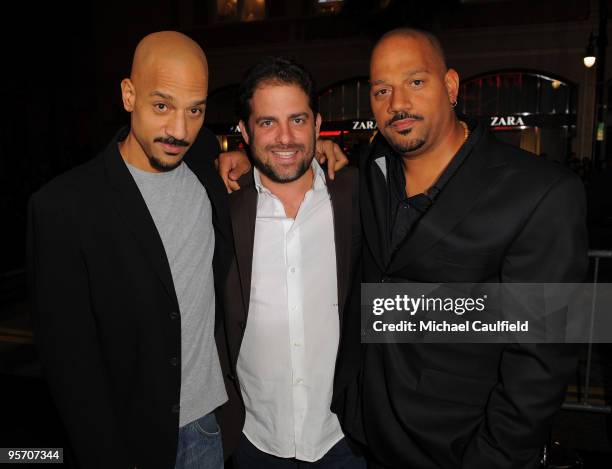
294 285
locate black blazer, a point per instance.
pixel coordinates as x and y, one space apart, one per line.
505 216
347 235
105 312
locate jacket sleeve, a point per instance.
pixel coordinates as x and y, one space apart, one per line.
551 247
65 333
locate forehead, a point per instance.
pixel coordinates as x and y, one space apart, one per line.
179 79
402 54
279 99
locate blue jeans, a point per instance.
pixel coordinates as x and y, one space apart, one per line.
199 445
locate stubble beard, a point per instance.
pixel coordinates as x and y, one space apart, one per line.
404 147
269 170
165 166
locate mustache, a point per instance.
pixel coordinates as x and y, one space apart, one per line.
290 147
172 141
403 115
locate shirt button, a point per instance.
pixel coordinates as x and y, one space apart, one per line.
292 270
296 344
176 408
174 315
174 361
298 381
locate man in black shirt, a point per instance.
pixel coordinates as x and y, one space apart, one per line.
443 201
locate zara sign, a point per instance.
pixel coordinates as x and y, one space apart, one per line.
364 125
506 121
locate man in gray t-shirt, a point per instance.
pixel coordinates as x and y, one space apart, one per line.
124 253
182 214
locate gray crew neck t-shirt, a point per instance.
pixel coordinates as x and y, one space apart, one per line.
182 214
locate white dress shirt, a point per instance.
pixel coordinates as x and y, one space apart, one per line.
288 354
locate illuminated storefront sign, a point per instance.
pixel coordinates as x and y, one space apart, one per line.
350 125
506 121
364 125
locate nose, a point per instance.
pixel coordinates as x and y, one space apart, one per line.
284 135
400 100
177 126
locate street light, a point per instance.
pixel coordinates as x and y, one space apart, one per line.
596 52
589 56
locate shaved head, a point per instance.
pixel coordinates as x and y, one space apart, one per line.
167 49
166 96
412 91
437 52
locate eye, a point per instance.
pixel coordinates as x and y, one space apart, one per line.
265 123
417 83
381 92
299 120
160 106
196 111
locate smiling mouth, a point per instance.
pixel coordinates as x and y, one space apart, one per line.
284 154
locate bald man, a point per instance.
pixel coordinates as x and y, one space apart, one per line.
443 201
123 256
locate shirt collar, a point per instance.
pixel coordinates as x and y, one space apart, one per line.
319 182
395 165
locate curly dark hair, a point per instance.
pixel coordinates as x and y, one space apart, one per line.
274 70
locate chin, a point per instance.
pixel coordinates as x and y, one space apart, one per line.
407 147
165 163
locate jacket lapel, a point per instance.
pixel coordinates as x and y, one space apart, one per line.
373 218
243 206
132 208
472 178
200 159
342 210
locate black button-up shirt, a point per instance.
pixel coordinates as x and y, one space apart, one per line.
405 212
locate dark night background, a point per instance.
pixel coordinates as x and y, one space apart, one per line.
61 69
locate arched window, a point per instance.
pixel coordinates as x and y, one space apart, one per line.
517 93
346 100
347 115
533 110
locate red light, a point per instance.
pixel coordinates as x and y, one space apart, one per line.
332 133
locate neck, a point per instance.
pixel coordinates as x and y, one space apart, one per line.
133 154
421 172
291 194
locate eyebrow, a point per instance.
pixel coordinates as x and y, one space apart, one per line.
161 95
409 74
170 98
271 118
265 118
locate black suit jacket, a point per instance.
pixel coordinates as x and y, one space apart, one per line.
106 316
505 216
347 235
